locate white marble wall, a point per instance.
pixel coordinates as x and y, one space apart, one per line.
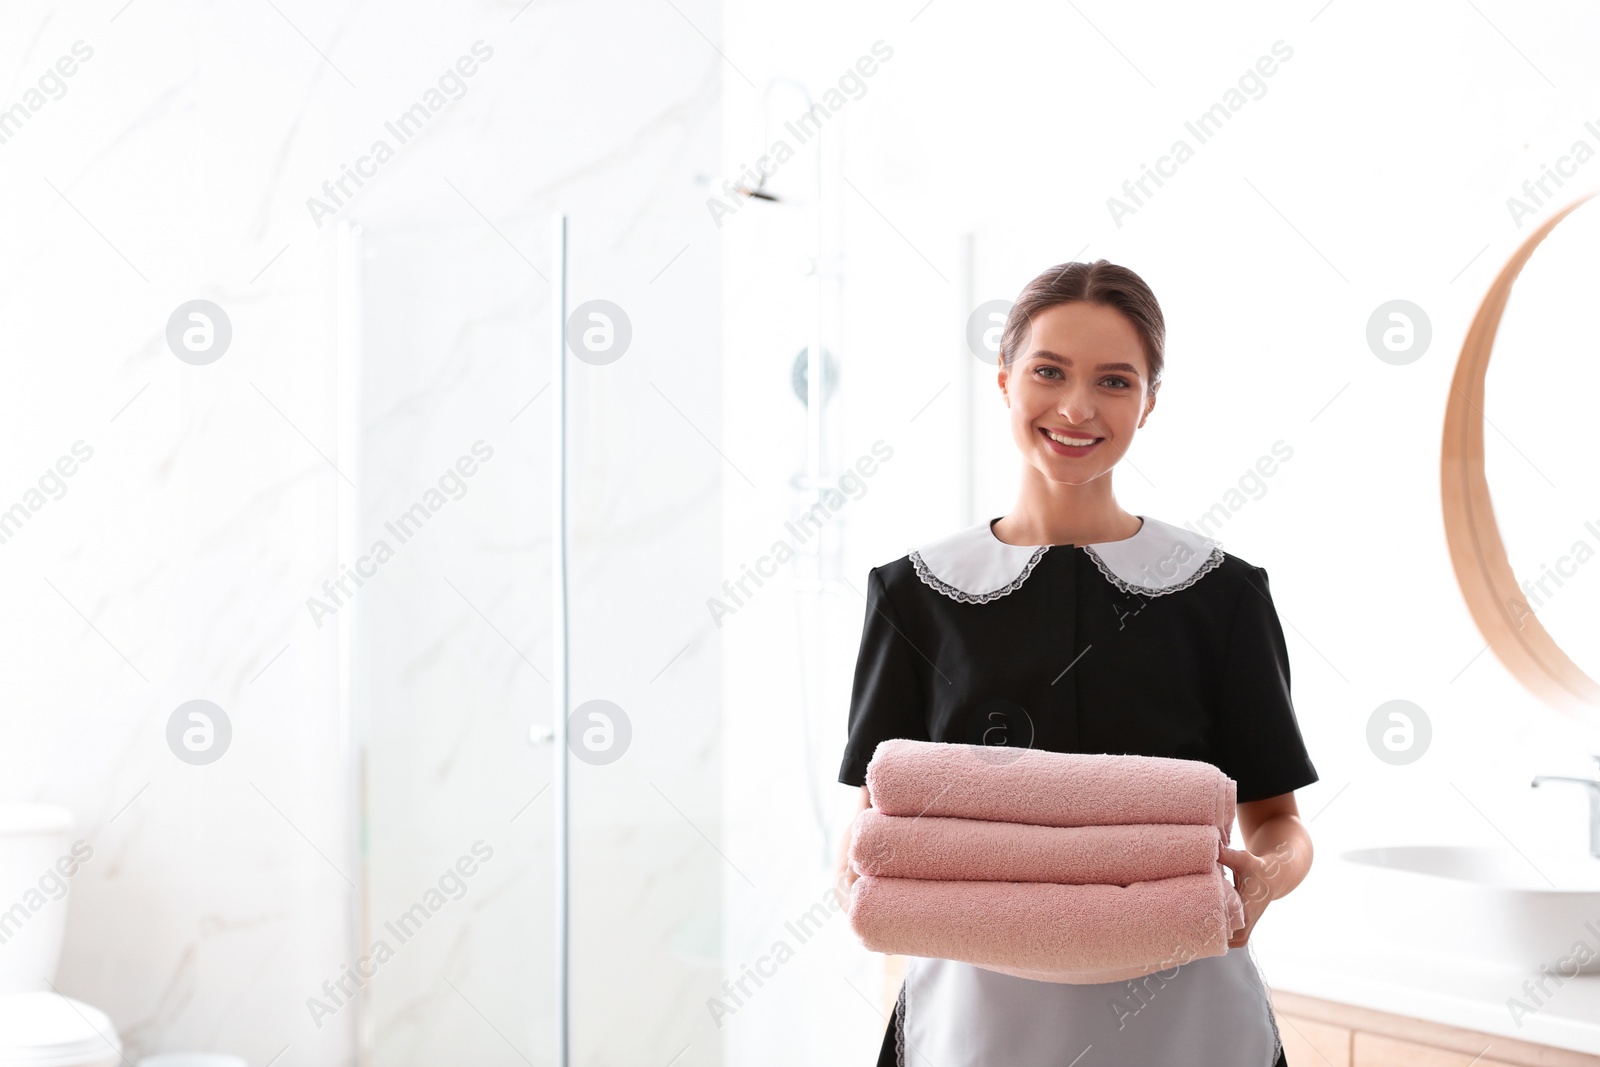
178 563
176 163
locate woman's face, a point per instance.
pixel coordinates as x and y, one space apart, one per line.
1081 375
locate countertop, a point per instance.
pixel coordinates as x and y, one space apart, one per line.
1303 946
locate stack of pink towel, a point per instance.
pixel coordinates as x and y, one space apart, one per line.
1045 865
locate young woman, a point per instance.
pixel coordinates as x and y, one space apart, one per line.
1073 626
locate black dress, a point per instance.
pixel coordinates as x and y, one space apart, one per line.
1161 644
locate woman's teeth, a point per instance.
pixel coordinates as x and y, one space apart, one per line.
1071 441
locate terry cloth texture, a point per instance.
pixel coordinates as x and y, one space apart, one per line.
900 846
1058 867
907 777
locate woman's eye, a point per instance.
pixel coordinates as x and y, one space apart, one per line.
1054 373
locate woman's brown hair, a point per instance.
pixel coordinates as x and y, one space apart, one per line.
1100 282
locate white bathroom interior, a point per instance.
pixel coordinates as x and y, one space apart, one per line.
173 531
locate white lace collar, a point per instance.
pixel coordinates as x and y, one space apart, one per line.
974 566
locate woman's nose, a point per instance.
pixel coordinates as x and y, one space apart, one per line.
1074 404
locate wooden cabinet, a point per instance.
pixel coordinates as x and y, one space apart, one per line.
1313 1044
1322 1033
1372 1050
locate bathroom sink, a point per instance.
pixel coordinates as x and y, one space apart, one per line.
1482 905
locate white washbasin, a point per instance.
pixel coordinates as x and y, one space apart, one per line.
1483 905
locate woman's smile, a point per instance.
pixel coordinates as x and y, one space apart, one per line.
1057 440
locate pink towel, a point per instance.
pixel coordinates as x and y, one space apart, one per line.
898 846
1023 785
1071 934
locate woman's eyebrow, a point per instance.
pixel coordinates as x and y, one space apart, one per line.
1045 354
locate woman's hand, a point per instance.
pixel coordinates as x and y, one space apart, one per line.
1278 858
844 875
1252 879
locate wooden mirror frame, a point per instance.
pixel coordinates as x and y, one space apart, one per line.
1476 550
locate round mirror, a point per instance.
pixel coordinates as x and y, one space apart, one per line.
1520 490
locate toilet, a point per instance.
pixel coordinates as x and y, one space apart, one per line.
49 1030
38 1026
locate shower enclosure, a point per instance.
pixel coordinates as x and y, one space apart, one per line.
720 518
447 644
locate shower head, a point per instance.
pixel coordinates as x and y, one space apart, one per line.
758 193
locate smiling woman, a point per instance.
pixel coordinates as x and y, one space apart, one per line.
1081 361
1071 625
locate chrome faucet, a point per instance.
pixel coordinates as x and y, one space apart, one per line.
1594 802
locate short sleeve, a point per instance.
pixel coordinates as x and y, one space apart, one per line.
1261 749
886 698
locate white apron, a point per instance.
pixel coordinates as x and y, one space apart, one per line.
1210 1012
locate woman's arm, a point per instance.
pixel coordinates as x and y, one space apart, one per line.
1278 856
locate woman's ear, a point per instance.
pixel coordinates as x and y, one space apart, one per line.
1004 393
1149 406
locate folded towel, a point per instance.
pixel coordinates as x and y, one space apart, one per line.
1024 785
898 846
1068 934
